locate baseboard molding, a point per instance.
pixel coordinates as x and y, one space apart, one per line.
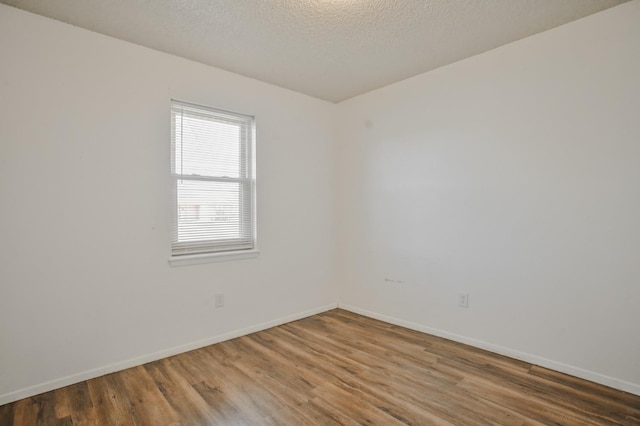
134 362
532 359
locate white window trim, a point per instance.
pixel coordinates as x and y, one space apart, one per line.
197 259
221 256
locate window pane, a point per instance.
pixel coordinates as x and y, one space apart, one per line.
209 210
206 147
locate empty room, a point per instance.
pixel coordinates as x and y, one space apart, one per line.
340 212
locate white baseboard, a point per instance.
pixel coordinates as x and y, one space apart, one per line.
101 371
532 359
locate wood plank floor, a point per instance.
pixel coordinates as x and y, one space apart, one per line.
336 368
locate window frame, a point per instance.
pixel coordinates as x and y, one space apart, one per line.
216 250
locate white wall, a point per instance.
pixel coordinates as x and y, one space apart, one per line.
85 286
513 175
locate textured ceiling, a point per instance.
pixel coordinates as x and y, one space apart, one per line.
330 49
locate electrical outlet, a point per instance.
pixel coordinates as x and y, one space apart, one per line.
463 299
218 300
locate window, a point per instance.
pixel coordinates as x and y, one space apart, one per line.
213 181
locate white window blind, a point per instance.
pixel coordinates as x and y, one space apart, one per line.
212 171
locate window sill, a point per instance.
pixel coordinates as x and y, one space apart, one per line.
195 259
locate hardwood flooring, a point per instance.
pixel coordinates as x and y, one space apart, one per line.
336 368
